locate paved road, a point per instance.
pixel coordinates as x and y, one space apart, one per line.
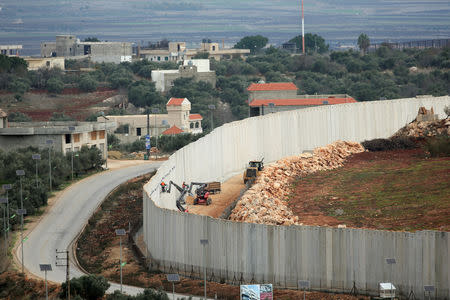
64 221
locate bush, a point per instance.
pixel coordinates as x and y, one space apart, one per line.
89 287
60 116
148 294
389 144
55 85
18 117
438 146
87 83
19 85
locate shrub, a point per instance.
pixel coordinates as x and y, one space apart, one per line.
60 116
18 117
89 287
389 144
87 83
438 146
55 85
19 85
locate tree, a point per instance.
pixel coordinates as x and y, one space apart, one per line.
19 85
201 55
60 117
143 93
313 42
18 117
87 83
89 287
363 42
55 85
254 43
91 39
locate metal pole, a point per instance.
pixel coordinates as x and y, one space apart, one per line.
21 222
72 161
156 138
50 168
303 30
4 230
7 209
37 184
148 132
173 290
67 274
212 121
304 294
121 264
106 146
46 288
204 266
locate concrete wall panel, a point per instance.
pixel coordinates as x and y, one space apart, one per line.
332 259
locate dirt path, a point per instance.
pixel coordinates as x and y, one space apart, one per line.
230 191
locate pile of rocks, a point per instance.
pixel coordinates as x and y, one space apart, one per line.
425 128
264 202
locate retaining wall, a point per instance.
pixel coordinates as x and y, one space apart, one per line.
332 259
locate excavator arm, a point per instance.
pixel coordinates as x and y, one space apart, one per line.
200 184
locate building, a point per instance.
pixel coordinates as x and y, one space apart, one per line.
36 134
195 68
177 52
132 127
10 50
267 98
36 63
3 119
69 46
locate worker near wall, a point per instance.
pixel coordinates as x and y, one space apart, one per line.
163 186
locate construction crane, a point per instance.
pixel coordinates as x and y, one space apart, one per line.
183 191
202 193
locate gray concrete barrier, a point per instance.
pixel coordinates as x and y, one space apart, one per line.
331 259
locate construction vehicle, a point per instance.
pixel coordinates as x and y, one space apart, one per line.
180 200
252 170
214 187
202 193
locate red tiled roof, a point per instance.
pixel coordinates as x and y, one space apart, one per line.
300 102
175 101
172 130
277 86
195 117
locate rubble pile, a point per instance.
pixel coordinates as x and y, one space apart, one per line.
264 202
425 128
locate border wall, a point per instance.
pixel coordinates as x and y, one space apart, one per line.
331 259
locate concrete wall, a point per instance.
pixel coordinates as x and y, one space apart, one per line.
330 258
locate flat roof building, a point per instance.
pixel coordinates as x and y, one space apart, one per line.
267 98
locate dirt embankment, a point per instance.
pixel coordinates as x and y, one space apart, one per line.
265 201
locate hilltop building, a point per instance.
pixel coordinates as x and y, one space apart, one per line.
177 52
177 120
267 98
10 50
195 68
69 46
36 134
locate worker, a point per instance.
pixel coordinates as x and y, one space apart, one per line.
163 186
184 186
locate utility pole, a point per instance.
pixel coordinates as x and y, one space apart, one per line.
303 29
21 212
36 157
7 187
65 263
148 133
156 111
49 143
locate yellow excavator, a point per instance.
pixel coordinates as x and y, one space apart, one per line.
252 170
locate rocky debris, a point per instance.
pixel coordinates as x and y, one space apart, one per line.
264 202
425 128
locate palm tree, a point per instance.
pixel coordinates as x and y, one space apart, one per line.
363 42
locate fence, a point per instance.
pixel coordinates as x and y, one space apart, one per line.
332 259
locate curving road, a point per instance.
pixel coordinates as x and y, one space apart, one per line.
65 220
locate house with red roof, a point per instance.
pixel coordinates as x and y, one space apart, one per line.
282 96
177 120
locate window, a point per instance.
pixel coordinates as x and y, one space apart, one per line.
102 134
138 131
192 125
67 138
47 63
93 135
159 58
166 58
76 138
197 124
214 48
